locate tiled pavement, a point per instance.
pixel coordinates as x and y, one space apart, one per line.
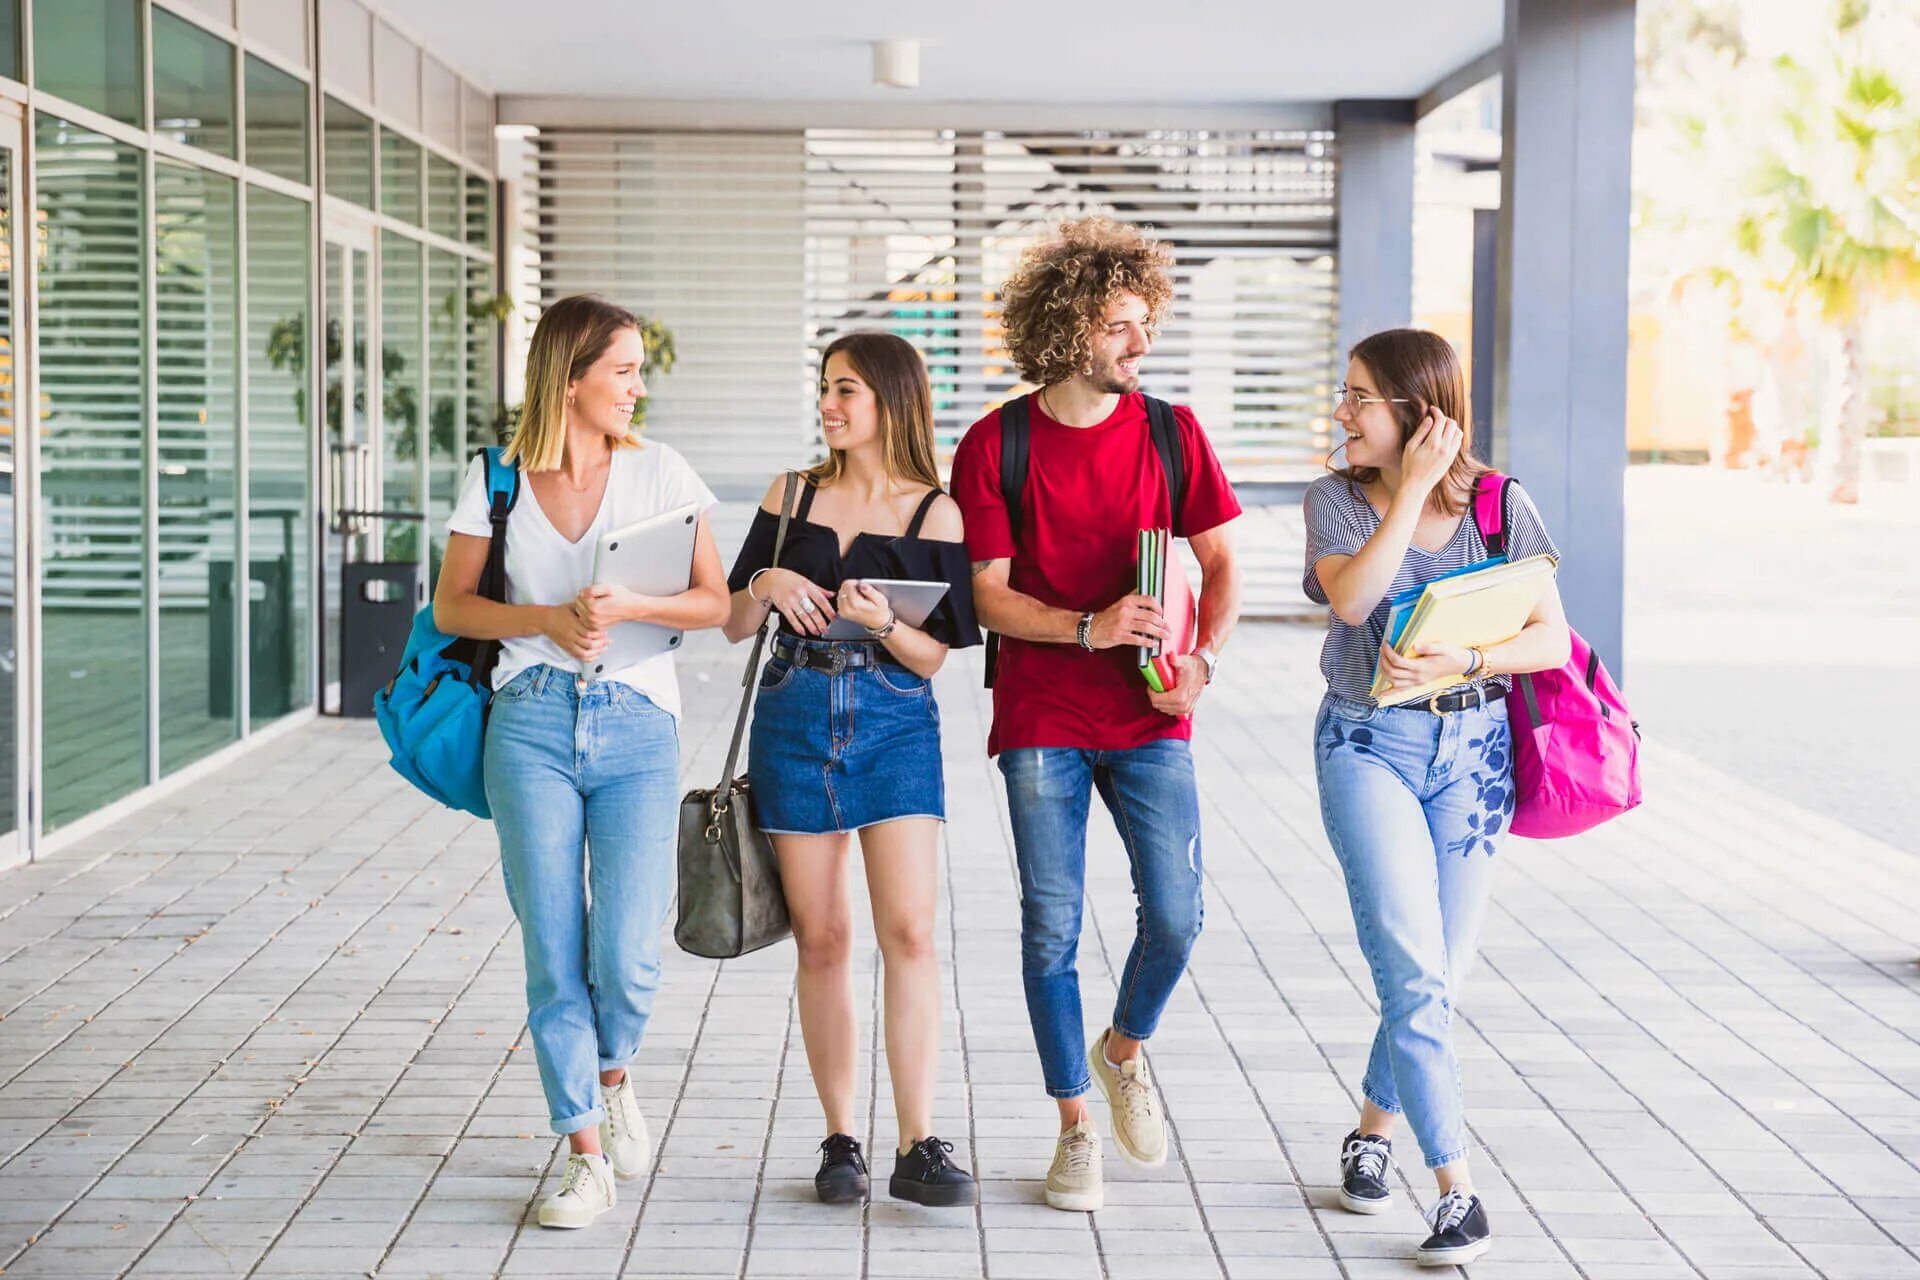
273 1026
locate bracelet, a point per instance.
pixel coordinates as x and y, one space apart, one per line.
753 578
1084 632
1479 666
885 629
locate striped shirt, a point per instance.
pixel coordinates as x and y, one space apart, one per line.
1339 522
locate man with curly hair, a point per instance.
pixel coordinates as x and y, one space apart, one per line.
1054 576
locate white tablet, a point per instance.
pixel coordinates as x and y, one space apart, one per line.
653 557
912 601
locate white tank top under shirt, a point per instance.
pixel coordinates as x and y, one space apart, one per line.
543 567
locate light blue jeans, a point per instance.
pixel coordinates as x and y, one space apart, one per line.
1415 805
1150 792
574 772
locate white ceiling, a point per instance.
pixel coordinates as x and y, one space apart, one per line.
1207 52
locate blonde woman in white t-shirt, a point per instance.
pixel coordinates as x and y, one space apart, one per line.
573 764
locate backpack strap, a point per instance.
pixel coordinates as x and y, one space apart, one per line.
1173 459
1016 422
1492 499
503 492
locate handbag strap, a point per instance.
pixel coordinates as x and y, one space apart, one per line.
759 643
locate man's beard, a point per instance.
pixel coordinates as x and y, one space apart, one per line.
1112 382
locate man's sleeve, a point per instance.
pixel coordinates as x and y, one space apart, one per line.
1210 498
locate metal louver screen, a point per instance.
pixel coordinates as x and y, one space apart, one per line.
758 249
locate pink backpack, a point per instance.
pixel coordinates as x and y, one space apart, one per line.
1576 747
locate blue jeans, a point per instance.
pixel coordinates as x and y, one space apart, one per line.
1414 805
572 770
1150 792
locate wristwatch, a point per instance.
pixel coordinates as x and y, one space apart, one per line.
1212 660
1084 632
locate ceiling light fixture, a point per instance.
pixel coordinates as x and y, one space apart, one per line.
896 64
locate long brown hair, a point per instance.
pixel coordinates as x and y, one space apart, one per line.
893 368
1422 368
572 334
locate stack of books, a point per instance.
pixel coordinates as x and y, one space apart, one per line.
1159 575
1480 605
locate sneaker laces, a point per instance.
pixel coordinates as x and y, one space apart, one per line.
1136 1090
1369 1156
620 1109
1077 1149
1451 1211
934 1151
577 1171
839 1144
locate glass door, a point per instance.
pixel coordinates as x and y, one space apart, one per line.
16 683
350 480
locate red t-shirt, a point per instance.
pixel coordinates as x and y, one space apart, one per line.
1089 492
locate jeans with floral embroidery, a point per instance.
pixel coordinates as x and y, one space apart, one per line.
1414 805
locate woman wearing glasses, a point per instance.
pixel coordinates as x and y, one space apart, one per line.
1414 794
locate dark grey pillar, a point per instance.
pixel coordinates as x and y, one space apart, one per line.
1560 366
1486 306
1375 217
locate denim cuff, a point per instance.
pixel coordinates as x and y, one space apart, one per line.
585 1120
1451 1157
1084 1085
1372 1095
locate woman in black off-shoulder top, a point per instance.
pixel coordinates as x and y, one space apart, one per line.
846 738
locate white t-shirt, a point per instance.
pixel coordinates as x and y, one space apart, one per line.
544 568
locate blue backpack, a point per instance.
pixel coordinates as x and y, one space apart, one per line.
433 713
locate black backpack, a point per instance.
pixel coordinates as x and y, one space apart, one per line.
1015 434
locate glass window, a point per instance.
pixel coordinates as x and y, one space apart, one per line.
88 52
196 304
192 84
482 335
349 154
399 177
89 256
10 53
443 197
278 470
276 121
479 212
446 326
401 343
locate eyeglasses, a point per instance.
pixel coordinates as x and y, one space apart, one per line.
1346 395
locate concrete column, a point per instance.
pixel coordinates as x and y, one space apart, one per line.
1561 329
1374 215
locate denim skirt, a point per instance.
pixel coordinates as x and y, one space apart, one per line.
837 752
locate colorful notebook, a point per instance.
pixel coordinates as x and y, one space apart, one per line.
1159 574
1482 604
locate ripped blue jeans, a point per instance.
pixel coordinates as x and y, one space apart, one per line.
1150 792
1415 805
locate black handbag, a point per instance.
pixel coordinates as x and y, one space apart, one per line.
730 897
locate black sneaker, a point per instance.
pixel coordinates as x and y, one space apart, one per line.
843 1171
1460 1232
925 1176
1363 1173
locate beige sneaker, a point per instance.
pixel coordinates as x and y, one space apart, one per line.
1074 1182
623 1134
585 1193
1138 1130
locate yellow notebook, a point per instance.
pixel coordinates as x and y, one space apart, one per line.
1481 608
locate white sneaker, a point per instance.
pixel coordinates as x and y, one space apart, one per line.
1074 1182
623 1134
1138 1130
585 1193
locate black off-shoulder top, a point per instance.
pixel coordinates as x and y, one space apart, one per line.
813 551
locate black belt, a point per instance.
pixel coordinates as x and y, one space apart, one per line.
1441 704
833 657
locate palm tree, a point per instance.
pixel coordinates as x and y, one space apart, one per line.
1833 218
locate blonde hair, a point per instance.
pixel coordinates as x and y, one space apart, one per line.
1063 286
894 369
572 334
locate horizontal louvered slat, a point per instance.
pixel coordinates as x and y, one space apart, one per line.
759 248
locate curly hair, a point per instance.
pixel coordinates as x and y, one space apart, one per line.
1063 285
